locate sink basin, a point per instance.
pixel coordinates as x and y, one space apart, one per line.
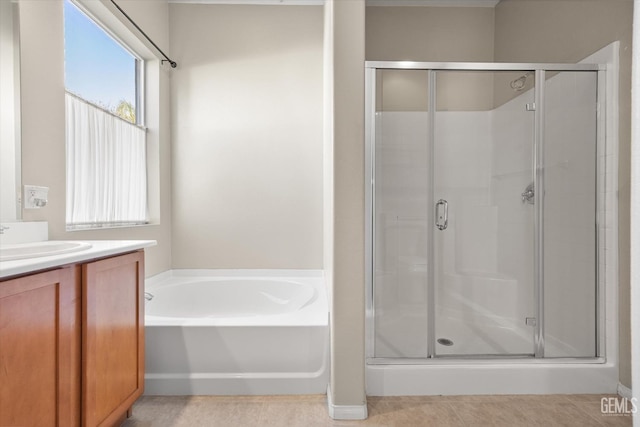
40 249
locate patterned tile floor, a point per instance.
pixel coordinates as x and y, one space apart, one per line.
310 411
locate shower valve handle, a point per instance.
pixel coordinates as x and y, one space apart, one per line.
529 194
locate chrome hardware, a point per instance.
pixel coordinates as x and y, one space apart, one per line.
2 228
530 321
148 296
528 195
531 106
442 215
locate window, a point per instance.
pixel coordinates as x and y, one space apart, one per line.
105 140
99 69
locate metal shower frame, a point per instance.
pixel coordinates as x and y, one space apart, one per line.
539 70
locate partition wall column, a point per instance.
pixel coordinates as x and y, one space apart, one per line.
344 20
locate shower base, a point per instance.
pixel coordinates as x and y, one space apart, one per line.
508 376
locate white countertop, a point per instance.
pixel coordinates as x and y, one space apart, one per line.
98 249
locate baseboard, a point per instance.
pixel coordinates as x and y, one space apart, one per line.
345 412
624 391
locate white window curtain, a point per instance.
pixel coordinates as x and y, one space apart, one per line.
106 168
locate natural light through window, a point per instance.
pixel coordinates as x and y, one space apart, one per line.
97 68
106 148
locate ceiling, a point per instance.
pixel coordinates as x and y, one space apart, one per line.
445 3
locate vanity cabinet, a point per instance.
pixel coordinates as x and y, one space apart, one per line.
40 349
112 338
72 344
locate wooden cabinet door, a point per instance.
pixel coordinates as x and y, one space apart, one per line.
113 338
40 349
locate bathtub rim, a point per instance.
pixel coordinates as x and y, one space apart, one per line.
238 272
316 313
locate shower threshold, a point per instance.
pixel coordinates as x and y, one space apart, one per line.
482 376
481 359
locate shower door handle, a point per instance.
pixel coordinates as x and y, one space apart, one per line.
442 214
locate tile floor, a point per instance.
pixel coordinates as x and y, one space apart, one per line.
311 411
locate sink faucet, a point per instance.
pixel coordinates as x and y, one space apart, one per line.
2 228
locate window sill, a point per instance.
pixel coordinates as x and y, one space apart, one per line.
95 227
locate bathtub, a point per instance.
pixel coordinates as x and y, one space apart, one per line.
236 332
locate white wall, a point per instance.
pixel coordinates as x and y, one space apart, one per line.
247 136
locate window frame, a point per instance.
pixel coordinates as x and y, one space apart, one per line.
139 69
140 98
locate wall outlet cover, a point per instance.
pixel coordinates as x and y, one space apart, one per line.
35 196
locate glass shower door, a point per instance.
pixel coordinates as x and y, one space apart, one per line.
483 202
484 213
401 205
569 214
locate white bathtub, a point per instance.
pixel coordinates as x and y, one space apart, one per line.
236 332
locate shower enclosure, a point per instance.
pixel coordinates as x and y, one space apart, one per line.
484 209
